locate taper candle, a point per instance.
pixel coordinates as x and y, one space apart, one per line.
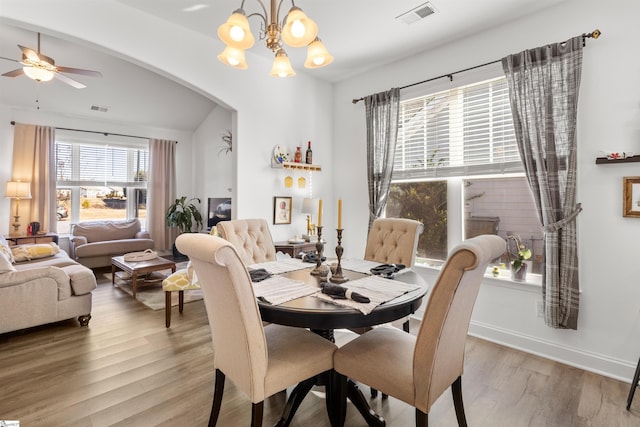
320 213
339 213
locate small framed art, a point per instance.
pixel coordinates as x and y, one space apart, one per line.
282 210
631 196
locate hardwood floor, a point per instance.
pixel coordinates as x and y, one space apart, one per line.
127 369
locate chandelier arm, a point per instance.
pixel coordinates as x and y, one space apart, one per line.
277 16
264 18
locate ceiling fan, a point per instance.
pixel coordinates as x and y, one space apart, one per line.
42 68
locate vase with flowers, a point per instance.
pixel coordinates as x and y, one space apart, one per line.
517 257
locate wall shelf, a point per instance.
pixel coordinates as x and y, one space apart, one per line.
604 160
297 166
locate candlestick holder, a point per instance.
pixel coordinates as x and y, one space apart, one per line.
338 277
320 269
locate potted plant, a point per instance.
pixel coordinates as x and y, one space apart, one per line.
185 215
522 253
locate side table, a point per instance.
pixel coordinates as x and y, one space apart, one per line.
293 249
38 238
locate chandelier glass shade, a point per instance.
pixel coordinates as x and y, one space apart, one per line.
295 30
38 74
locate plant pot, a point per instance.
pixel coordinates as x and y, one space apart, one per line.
519 275
177 255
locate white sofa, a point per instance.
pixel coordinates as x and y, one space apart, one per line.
93 243
43 290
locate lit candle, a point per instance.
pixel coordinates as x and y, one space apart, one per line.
320 213
339 214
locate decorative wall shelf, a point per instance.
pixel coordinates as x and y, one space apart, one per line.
604 160
297 166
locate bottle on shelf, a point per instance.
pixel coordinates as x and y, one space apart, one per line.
297 157
309 154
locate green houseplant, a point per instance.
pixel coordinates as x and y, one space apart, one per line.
185 215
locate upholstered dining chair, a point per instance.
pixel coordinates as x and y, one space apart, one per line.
393 241
260 361
182 280
251 238
418 369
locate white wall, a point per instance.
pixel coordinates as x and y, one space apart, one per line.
609 119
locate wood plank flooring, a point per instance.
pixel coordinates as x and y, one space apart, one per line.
127 369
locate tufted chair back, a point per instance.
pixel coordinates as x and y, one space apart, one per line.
393 241
251 238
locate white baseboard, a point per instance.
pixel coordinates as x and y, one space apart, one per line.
588 361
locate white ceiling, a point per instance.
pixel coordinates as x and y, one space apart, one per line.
360 34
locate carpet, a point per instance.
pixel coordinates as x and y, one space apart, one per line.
150 291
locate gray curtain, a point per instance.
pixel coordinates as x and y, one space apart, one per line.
161 191
382 130
34 162
543 89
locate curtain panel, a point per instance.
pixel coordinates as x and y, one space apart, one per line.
161 191
543 90
382 114
34 162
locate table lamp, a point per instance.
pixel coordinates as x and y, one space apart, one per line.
17 190
308 207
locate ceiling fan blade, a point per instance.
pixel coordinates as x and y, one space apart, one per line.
14 73
30 53
79 71
9 59
69 81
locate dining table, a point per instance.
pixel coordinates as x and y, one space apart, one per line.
322 315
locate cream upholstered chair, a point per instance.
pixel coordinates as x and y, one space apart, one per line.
182 280
260 361
251 238
393 241
417 370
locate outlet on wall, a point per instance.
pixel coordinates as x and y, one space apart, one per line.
539 308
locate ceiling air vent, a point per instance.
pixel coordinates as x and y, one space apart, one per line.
417 13
98 108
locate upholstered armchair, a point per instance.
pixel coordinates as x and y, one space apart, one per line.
260 361
251 238
418 369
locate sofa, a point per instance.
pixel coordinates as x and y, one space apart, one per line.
93 243
40 284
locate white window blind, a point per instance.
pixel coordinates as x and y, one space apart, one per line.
80 164
466 131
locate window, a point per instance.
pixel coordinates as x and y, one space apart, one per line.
98 180
457 169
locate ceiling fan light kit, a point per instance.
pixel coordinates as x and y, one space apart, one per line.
296 30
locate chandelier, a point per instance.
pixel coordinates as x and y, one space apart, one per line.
296 30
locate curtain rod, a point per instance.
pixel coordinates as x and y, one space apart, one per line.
103 133
594 34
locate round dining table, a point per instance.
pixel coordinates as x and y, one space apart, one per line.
323 318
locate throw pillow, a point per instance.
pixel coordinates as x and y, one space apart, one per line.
6 250
5 264
34 251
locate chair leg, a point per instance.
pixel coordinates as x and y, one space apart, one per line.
167 309
422 419
634 385
217 398
180 301
456 390
405 326
256 414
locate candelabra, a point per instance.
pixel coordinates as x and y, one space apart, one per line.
338 277
320 269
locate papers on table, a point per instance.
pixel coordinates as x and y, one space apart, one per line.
359 265
378 289
279 289
281 266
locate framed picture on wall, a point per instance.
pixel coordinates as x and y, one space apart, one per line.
282 210
631 196
219 210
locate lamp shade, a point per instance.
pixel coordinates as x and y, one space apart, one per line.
236 31
38 74
298 30
317 55
308 205
282 65
18 190
234 58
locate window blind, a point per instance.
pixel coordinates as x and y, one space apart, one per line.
465 131
79 164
